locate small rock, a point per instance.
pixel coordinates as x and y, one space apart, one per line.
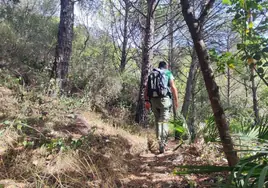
35 162
49 157
147 155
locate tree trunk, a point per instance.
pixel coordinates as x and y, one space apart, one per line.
254 97
125 38
211 86
189 86
192 111
64 45
171 37
147 56
228 86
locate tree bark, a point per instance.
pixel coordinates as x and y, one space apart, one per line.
211 86
147 56
254 97
125 37
189 87
192 111
228 86
171 37
64 45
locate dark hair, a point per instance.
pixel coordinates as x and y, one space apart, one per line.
162 64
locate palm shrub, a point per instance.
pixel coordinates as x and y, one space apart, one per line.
251 171
210 131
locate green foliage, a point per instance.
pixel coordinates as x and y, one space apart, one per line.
253 47
210 131
92 71
187 169
179 128
251 172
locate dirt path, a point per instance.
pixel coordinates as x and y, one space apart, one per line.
146 169
154 170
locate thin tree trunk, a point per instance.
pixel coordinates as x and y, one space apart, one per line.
212 87
246 93
254 97
171 38
192 110
228 86
64 45
125 38
189 86
171 55
147 56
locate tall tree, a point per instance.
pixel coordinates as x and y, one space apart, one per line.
194 26
189 85
124 24
147 56
171 36
125 37
254 96
64 44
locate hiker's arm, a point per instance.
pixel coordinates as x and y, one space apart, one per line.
174 93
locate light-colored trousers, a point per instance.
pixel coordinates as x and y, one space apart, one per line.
161 109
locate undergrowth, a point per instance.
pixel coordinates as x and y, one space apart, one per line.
43 143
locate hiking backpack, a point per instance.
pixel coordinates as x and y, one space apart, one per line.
157 84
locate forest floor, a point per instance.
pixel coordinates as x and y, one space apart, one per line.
152 169
62 148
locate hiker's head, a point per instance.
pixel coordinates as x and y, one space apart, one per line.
163 65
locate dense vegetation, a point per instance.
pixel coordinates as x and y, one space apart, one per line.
59 60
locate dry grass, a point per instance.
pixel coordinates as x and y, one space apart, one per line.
8 139
100 161
137 143
8 103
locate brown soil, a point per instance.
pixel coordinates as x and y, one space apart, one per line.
155 170
120 159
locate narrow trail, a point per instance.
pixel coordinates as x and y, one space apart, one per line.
146 169
110 157
154 170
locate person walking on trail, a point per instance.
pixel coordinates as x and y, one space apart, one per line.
158 95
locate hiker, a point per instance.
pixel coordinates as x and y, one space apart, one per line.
158 94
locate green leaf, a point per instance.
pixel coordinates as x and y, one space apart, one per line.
249 175
7 122
250 25
226 2
179 129
25 143
19 127
188 169
262 177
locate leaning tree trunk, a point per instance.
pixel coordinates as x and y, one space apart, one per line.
147 56
212 87
64 45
